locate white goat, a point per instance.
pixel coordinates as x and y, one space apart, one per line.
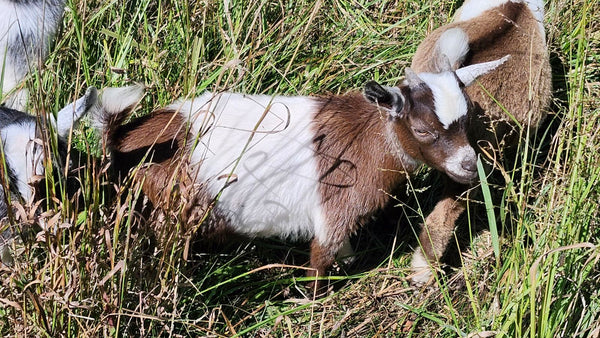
24 155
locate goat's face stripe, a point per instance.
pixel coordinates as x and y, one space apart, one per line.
449 99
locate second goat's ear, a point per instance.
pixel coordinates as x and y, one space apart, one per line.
387 97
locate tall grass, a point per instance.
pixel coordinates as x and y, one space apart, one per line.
103 273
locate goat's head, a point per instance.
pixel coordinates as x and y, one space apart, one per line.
427 116
38 156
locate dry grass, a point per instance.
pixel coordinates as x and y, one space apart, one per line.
101 274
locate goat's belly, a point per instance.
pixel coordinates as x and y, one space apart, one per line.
268 195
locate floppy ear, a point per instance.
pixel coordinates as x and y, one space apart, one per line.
70 114
388 97
469 74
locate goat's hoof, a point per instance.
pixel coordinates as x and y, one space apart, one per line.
421 270
421 277
317 289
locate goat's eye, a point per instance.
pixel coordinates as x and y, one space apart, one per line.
421 132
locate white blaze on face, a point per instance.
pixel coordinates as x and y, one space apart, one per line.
449 101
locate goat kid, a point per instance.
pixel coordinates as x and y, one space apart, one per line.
27 28
24 156
509 102
299 168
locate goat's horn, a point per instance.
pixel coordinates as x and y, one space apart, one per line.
444 63
412 79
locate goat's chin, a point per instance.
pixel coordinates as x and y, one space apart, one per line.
466 177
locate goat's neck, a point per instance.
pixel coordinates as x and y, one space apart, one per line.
355 147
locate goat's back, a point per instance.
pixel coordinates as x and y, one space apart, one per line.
517 91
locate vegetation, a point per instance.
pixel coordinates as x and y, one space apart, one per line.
101 272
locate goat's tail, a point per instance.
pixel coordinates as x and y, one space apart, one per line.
116 105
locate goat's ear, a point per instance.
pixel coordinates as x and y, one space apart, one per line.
469 74
388 97
73 112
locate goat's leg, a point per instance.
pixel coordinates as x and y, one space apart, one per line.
322 257
437 231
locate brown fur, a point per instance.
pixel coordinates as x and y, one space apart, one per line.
155 147
507 29
357 163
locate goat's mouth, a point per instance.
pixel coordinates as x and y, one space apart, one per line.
464 177
462 165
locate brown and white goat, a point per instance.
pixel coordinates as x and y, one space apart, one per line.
309 168
509 102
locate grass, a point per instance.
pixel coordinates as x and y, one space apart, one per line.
101 275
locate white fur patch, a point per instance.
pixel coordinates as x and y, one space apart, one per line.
537 8
264 144
73 112
449 100
24 156
421 270
37 21
473 8
115 100
8 30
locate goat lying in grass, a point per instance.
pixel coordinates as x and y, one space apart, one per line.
25 158
510 102
26 30
311 168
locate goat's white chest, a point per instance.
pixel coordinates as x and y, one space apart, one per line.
257 153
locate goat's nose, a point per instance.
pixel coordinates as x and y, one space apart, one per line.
469 164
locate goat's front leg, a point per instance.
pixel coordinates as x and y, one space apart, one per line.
322 257
323 254
437 231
